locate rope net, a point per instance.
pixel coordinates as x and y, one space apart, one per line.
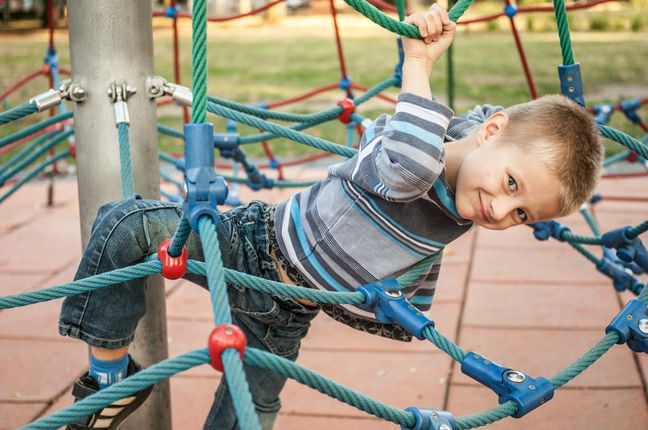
49 133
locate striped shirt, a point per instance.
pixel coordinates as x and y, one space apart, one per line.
383 210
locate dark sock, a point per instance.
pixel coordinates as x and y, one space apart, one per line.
107 372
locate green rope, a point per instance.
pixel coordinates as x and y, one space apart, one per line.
131 385
306 139
407 30
619 156
400 4
563 32
585 361
60 137
590 220
128 188
325 115
444 344
318 382
18 112
199 61
34 128
624 139
180 236
82 285
27 149
31 175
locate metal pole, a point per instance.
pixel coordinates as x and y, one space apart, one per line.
113 41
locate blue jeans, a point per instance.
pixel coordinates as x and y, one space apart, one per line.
126 232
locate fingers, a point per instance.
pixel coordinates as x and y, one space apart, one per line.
431 23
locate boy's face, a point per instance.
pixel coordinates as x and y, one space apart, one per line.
500 185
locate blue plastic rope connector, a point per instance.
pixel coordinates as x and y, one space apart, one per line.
527 392
628 250
274 163
631 324
611 254
180 164
571 83
204 190
171 12
629 108
603 112
510 10
596 197
50 57
398 70
345 83
257 180
431 419
231 126
386 299
226 141
543 230
621 280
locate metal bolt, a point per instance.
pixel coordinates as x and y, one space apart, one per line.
643 325
629 317
532 387
130 91
570 77
571 89
435 415
78 92
515 376
393 293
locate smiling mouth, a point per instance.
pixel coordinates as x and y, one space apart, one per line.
482 212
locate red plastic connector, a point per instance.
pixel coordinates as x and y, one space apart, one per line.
223 337
172 267
348 108
633 157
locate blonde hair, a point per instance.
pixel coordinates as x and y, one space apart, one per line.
565 137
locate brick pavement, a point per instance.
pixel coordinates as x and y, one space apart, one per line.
529 305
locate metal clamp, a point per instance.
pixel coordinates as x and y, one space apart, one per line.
181 95
631 324
157 86
119 92
47 100
388 302
72 91
527 392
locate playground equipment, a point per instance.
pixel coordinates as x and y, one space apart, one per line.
518 392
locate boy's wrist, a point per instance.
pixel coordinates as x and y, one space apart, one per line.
419 62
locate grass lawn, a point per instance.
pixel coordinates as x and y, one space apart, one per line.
250 61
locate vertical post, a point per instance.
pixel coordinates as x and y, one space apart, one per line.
112 41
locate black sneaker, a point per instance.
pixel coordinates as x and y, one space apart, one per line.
111 416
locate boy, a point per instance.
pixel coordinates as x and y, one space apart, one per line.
400 199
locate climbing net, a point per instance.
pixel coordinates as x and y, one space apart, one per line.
518 393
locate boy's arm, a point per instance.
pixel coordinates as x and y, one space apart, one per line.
438 32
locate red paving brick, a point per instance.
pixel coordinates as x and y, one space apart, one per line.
569 410
528 304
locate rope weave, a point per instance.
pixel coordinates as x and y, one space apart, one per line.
199 61
126 169
18 112
35 128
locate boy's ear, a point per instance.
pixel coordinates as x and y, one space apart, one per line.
492 126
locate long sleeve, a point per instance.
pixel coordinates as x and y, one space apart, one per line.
402 155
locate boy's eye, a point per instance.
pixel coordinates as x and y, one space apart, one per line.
512 184
522 214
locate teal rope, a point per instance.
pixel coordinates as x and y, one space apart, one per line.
407 30
315 142
34 128
26 150
235 376
563 32
280 289
624 139
18 112
417 270
444 344
34 173
377 89
325 115
590 221
285 367
36 154
170 132
585 361
131 385
199 61
128 188
140 270
636 231
619 156
180 236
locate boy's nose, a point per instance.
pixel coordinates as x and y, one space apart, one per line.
501 207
